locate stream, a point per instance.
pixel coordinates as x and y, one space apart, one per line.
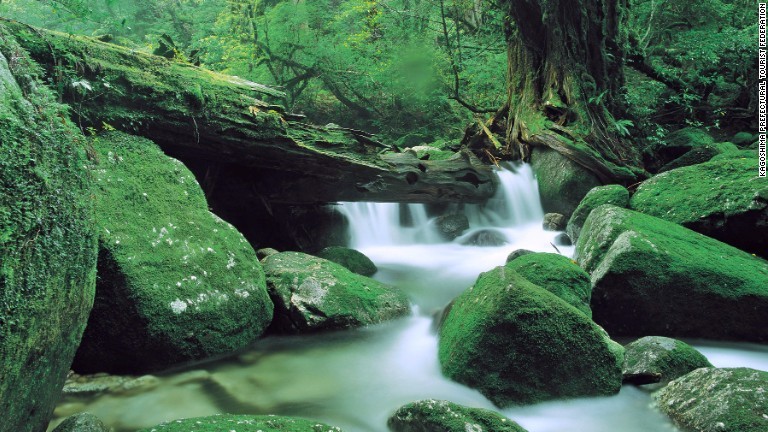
356 379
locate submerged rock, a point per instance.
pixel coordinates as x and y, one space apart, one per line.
610 194
656 359
562 182
313 294
554 222
451 226
176 283
485 238
352 260
517 343
443 416
650 276
83 422
717 400
242 423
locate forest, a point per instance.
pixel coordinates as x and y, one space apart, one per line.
383 215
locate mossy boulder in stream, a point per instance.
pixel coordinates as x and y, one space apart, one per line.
650 276
717 400
314 294
354 261
242 423
610 194
723 199
562 182
656 359
517 343
442 416
176 283
47 243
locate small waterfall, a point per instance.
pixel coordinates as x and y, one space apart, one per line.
516 201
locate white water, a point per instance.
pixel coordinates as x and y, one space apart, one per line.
356 379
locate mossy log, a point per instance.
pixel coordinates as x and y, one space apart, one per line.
193 113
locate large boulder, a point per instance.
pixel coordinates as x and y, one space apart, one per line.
352 260
517 343
47 243
717 400
650 276
242 423
723 199
313 294
609 194
656 359
442 416
562 182
176 283
82 422
557 274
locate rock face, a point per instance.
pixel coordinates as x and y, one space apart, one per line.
443 416
175 280
313 294
554 222
650 276
723 199
242 423
655 359
504 335
717 400
352 260
562 182
47 243
557 274
452 225
610 194
83 422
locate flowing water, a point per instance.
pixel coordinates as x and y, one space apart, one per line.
356 379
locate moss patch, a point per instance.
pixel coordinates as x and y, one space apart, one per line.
610 194
351 259
655 359
242 423
443 416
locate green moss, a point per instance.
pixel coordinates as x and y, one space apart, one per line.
47 242
313 294
442 416
557 274
242 423
518 343
655 359
610 194
353 260
174 279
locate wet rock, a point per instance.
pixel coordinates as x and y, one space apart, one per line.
562 182
562 239
485 238
609 194
176 283
83 422
313 294
451 226
265 252
353 260
650 276
722 199
656 359
554 222
517 343
442 416
88 385
517 254
710 399
242 423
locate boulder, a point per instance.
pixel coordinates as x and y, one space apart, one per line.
517 254
656 359
517 343
562 182
353 260
485 238
609 194
681 141
265 252
554 222
313 294
725 200
83 422
47 243
451 226
557 274
717 400
242 423
174 280
650 276
442 416
699 155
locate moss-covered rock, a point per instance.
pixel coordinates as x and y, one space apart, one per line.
442 416
722 199
47 242
717 400
562 182
743 139
242 423
699 155
557 274
609 194
354 261
656 359
313 294
176 283
83 422
518 343
650 276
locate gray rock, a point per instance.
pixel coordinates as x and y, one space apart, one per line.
452 225
517 254
554 222
486 238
